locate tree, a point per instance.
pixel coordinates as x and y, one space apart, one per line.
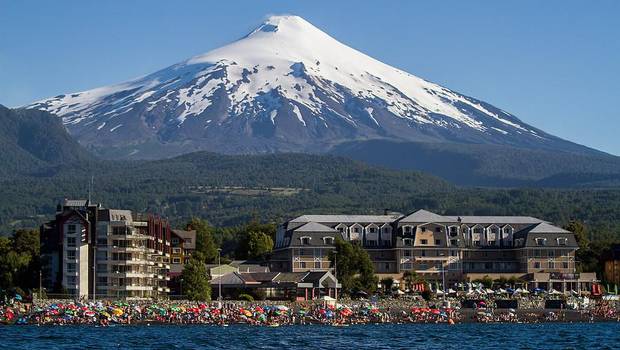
205 244
579 229
410 278
366 279
354 269
387 284
259 244
195 281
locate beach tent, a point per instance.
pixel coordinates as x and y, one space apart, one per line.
489 291
451 291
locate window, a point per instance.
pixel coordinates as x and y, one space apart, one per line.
71 241
407 253
387 266
317 264
477 230
565 265
71 267
453 253
407 241
71 254
176 250
71 280
423 229
373 230
423 253
552 264
488 266
328 240
541 241
438 242
176 260
407 229
356 230
437 229
305 240
175 240
551 253
562 241
453 242
424 241
477 243
71 229
302 264
188 240
537 265
371 242
494 230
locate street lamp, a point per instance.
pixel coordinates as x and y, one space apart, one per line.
219 284
443 277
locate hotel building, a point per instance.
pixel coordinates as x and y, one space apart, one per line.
459 248
90 251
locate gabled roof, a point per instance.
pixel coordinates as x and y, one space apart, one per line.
544 227
424 216
315 227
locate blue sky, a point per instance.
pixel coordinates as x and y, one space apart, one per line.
554 64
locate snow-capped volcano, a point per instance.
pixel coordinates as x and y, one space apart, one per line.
286 86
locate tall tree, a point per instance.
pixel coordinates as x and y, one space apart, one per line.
205 244
581 234
195 281
354 268
259 245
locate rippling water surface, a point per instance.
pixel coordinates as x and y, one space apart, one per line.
463 336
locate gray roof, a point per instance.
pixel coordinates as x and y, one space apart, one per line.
315 227
426 216
547 228
347 218
498 219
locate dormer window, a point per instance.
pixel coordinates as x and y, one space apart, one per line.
562 240
328 240
477 229
407 229
437 229
305 240
408 242
423 229
541 241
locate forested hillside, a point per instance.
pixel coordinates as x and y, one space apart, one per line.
41 165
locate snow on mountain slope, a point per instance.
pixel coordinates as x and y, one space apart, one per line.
286 86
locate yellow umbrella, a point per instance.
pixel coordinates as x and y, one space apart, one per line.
117 312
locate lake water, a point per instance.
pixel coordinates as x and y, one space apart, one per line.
411 336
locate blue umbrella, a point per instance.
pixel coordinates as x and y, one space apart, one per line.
18 297
510 290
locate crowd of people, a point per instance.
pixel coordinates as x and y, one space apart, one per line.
347 312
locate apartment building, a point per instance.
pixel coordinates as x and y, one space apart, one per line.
89 251
437 247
